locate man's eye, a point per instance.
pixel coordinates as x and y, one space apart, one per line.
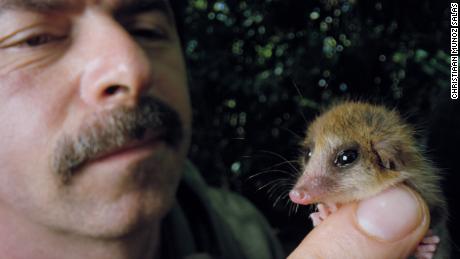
149 34
39 40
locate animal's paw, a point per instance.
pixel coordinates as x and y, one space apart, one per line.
427 247
323 211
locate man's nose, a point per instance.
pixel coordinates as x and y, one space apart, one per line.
115 68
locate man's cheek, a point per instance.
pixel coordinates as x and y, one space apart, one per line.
25 140
178 99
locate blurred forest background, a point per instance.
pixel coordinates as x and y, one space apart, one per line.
261 70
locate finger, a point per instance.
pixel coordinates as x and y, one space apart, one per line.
431 240
315 218
389 225
323 213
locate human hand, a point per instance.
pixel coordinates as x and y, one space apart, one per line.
389 225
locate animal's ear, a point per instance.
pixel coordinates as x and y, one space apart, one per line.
389 154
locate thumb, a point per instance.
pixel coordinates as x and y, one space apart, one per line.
388 225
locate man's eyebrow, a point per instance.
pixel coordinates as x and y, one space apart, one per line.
125 7
129 7
36 5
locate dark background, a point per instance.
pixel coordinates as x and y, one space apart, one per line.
260 71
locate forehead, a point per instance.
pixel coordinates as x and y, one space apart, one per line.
336 128
53 5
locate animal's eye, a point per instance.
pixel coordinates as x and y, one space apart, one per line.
307 153
346 157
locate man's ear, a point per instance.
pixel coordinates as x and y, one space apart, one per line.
390 154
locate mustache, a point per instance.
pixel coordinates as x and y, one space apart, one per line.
114 130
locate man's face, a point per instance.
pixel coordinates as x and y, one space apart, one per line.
94 113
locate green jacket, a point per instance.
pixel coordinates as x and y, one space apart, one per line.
210 223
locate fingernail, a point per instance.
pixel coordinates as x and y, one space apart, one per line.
390 215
